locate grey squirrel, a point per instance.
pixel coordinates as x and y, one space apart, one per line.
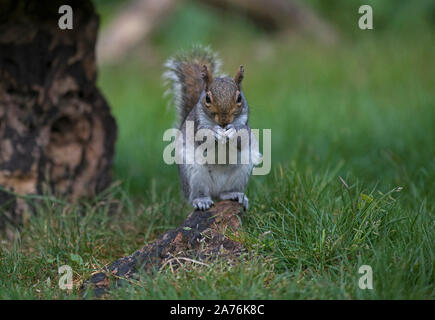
217 103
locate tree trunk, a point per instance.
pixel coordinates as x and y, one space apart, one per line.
201 237
56 131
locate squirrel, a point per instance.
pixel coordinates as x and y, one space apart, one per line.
217 103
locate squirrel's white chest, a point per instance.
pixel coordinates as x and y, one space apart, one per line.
220 178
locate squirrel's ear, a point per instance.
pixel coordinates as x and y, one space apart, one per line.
239 76
206 76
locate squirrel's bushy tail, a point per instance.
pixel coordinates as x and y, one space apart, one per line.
183 77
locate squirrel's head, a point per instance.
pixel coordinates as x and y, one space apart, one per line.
223 99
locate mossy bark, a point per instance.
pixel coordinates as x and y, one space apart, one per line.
204 235
56 130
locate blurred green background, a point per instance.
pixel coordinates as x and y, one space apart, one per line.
359 105
365 101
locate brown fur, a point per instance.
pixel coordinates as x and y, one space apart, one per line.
196 72
185 78
223 93
206 76
239 76
193 84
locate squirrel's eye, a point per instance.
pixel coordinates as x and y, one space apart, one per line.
239 98
207 99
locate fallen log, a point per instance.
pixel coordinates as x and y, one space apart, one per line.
137 21
282 15
204 235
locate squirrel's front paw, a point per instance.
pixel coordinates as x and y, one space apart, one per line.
219 134
230 133
238 196
202 203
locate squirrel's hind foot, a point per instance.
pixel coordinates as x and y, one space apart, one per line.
202 203
238 196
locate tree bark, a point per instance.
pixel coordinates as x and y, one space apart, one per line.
56 131
201 237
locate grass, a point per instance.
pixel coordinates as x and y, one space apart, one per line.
352 183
